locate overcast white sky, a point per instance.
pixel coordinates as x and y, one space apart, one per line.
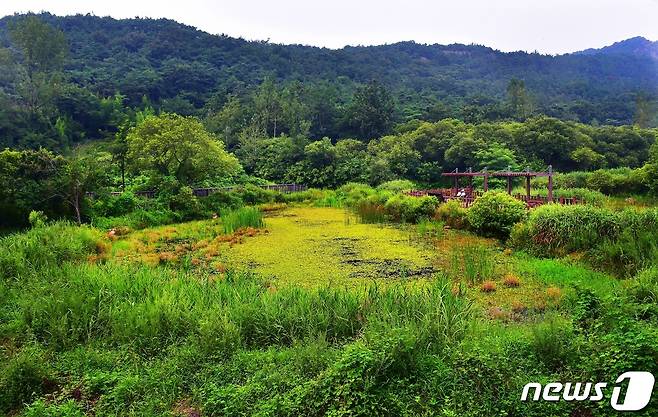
548 26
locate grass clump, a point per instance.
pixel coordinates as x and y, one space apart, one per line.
25 376
488 286
242 218
49 245
430 228
472 262
512 281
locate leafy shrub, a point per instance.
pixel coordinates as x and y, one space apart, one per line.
452 214
42 409
186 205
495 213
219 201
402 208
353 193
37 218
138 219
329 199
617 181
587 309
252 195
116 205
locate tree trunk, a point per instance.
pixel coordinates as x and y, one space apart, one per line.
123 174
76 206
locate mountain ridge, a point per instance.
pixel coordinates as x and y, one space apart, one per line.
638 45
166 60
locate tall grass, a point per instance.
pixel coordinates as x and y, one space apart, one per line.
592 197
622 242
48 245
430 228
370 212
474 263
242 217
152 308
551 342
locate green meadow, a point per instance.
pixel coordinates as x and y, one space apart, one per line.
299 309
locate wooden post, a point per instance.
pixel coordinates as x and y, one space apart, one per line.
509 181
486 180
550 183
456 187
470 179
527 184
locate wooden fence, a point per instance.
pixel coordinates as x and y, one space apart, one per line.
205 192
447 194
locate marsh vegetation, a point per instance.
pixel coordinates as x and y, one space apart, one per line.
300 308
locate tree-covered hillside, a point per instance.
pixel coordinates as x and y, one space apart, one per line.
183 69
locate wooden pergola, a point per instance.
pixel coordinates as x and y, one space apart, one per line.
509 175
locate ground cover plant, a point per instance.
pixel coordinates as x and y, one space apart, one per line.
297 309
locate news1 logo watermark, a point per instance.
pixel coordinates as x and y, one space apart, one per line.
639 386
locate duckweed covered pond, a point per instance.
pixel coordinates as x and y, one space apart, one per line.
311 246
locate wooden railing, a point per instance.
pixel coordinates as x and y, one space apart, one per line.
205 192
467 200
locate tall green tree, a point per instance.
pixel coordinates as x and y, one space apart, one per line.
518 99
80 174
644 110
43 50
170 145
371 113
268 107
228 122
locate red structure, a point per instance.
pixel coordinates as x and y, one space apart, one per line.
466 194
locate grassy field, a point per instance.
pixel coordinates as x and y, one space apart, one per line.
304 312
320 247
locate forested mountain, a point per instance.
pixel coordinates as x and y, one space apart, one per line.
637 46
183 68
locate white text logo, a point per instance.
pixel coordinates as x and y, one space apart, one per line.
638 391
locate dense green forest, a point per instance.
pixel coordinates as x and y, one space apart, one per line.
111 66
152 104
